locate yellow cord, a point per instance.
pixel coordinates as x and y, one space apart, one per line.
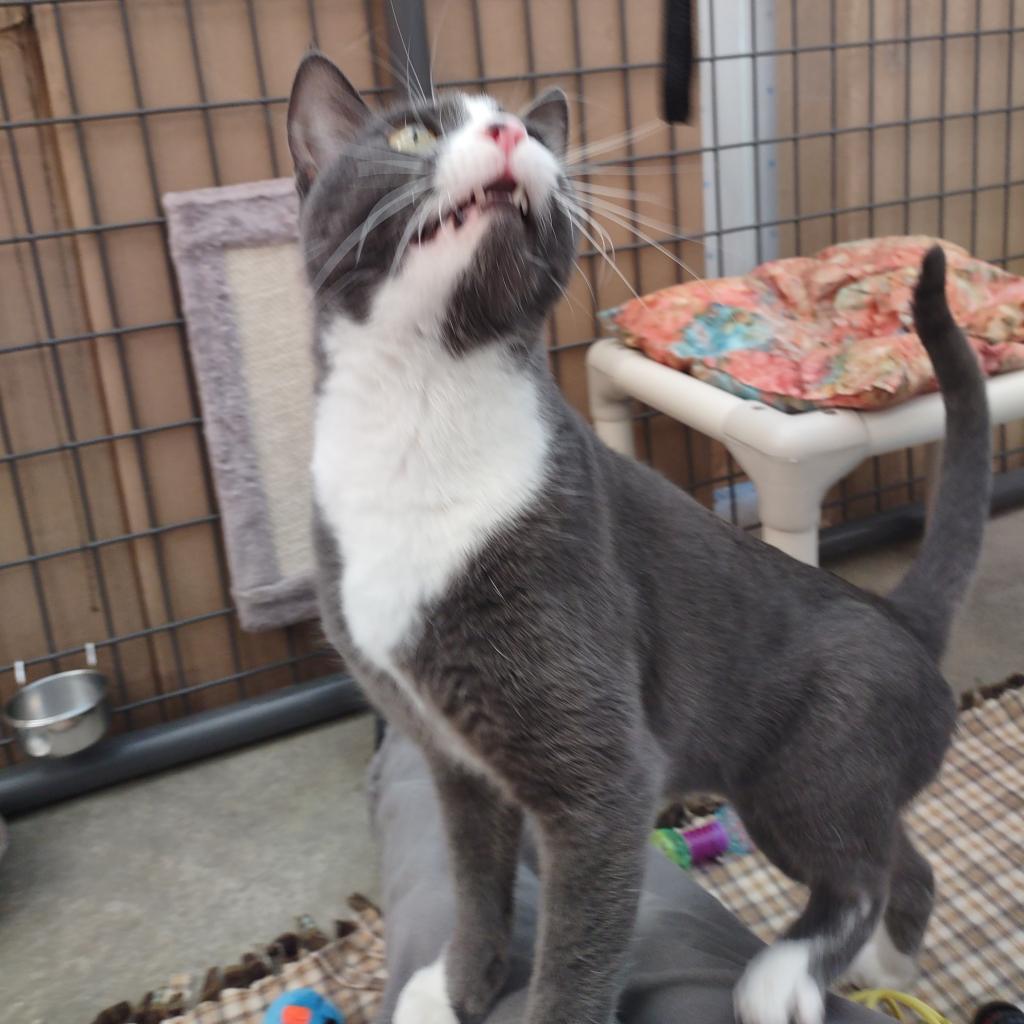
894 1003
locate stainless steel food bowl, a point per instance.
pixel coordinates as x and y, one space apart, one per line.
60 714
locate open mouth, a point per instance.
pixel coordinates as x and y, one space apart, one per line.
503 194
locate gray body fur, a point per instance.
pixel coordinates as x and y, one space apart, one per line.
619 644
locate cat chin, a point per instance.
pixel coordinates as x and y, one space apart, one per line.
432 270
476 224
484 254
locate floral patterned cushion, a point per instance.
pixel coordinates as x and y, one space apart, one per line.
834 330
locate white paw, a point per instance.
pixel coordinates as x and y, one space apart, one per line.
424 1000
880 964
777 987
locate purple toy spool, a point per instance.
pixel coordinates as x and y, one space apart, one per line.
707 842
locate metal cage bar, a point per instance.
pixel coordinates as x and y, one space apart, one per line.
417 57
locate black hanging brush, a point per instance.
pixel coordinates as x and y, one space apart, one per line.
679 60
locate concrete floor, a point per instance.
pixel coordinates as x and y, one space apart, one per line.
988 640
105 896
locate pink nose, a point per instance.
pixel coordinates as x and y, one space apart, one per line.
507 133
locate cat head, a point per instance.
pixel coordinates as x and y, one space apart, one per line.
449 211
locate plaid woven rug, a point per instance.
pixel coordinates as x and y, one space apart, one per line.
349 970
970 825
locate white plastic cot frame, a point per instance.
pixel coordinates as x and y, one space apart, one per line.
792 458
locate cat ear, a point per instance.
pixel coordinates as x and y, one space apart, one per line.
325 111
549 115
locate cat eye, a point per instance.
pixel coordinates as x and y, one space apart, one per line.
412 138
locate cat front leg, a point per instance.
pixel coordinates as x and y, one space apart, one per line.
592 860
483 840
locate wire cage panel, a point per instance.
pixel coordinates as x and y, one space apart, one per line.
817 122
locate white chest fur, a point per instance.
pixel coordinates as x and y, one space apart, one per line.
419 457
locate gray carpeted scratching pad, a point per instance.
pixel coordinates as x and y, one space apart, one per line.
247 311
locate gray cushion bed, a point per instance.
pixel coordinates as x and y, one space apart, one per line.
687 953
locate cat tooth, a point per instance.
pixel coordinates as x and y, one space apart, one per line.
478 195
524 205
517 196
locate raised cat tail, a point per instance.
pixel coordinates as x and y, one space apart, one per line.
928 595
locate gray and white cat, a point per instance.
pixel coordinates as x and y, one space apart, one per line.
568 635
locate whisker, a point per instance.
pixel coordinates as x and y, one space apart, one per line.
394 153
616 193
410 228
565 291
387 170
600 204
438 32
590 238
573 304
582 211
622 222
394 69
407 195
586 281
373 156
386 207
409 67
369 165
577 153
616 167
